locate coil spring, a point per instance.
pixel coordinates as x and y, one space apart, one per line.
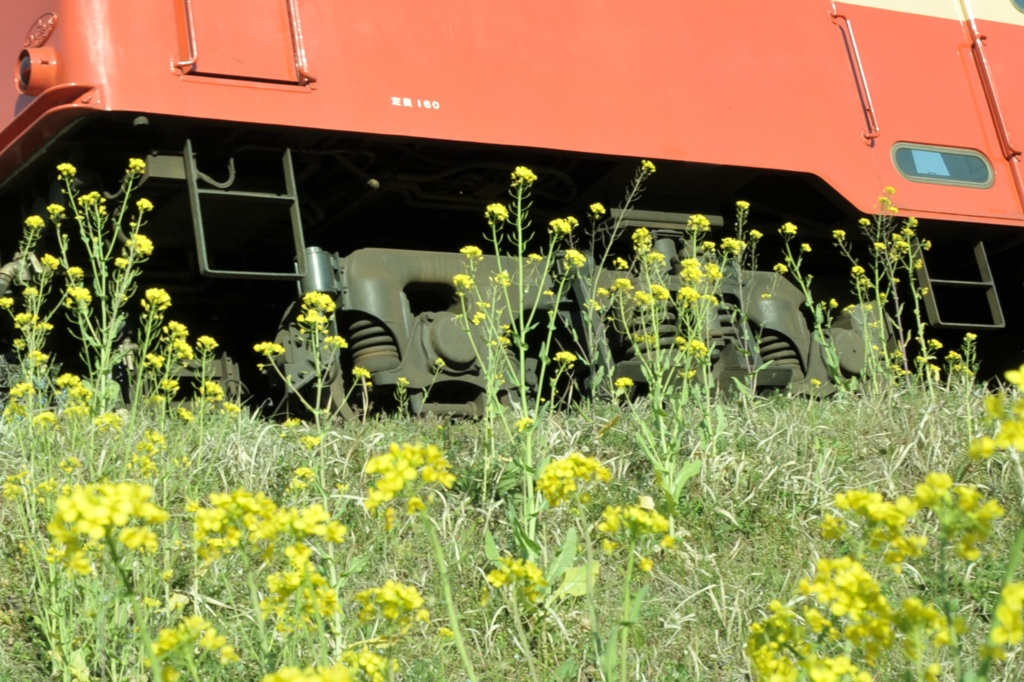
781 351
722 332
373 346
667 332
725 333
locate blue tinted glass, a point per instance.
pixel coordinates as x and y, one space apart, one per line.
1019 4
929 163
942 165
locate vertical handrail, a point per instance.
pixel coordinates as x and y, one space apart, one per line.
193 50
1010 153
869 106
987 83
301 67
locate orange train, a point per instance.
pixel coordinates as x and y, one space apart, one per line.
371 130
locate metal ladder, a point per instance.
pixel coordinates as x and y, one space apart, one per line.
987 284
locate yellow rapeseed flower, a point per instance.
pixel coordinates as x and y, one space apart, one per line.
398 603
98 511
523 176
156 299
566 358
563 227
523 575
206 344
561 478
575 259
463 282
403 464
269 349
339 672
140 244
496 214
643 241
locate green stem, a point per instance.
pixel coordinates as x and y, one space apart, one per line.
626 595
518 621
595 638
258 615
453 615
948 612
137 611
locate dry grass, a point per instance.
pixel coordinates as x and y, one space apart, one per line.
748 525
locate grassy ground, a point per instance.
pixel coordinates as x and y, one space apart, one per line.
747 531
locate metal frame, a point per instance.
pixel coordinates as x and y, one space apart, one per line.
189 65
931 304
939 180
869 107
302 73
1010 152
192 177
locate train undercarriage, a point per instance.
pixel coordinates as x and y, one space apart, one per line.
248 220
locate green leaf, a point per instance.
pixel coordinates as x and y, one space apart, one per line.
567 671
638 601
79 668
610 656
575 582
357 565
566 556
689 470
527 545
491 547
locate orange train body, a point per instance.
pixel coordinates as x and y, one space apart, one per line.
763 85
398 121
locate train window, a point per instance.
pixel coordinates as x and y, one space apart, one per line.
1019 4
942 165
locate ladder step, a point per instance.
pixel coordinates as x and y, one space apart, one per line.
962 284
987 285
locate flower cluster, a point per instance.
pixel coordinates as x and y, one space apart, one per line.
522 574
299 594
496 213
231 517
98 511
634 521
849 591
563 227
400 604
139 246
1009 627
402 465
523 176
372 665
19 400
1009 419
566 358
883 524
156 299
643 241
561 478
317 312
79 396
965 517
190 632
